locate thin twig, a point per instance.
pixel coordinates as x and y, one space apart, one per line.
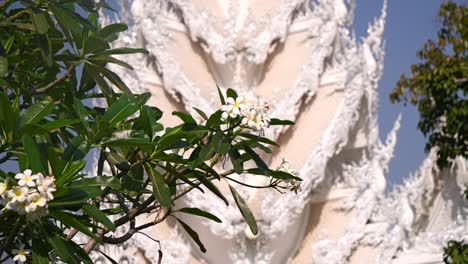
156 221
56 81
148 236
17 15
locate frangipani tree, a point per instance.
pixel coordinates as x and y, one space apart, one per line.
53 57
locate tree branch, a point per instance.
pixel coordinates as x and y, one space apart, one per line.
56 81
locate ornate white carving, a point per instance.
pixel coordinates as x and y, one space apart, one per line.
360 66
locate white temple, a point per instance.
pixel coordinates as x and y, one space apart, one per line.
302 58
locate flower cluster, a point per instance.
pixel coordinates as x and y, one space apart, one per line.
252 110
292 185
30 195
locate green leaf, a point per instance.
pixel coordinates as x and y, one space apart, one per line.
236 160
201 177
193 235
187 118
45 44
221 97
74 149
274 174
36 112
40 22
124 107
71 221
8 44
215 119
194 129
54 158
219 144
33 155
66 197
201 113
101 181
67 250
89 70
134 179
8 116
99 216
277 122
258 171
148 117
256 158
109 31
69 20
3 66
71 169
61 248
245 211
188 181
128 142
111 76
40 254
32 129
108 59
120 162
199 212
161 191
81 112
118 51
231 93
170 136
259 139
93 44
206 152
283 175
56 124
255 144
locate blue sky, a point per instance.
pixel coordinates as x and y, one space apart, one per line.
409 24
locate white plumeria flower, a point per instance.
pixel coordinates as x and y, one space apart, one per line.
21 207
3 188
260 122
262 105
36 200
233 107
38 213
46 185
26 178
18 193
291 184
249 118
20 254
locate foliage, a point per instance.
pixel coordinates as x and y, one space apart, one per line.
53 57
456 252
438 86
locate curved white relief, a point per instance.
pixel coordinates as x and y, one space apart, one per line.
427 212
